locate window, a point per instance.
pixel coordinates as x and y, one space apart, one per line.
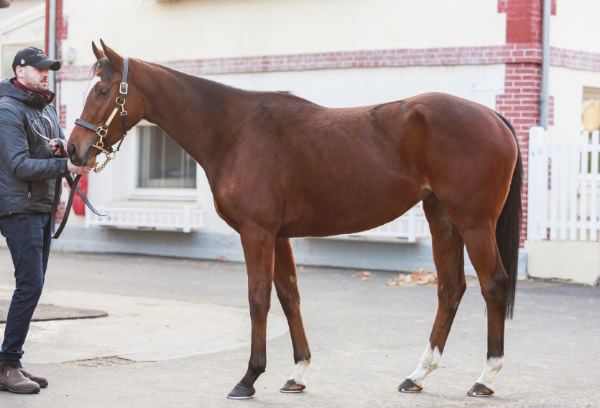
590 112
162 164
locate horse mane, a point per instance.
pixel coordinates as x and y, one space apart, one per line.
108 71
210 84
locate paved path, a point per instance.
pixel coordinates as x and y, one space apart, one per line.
177 336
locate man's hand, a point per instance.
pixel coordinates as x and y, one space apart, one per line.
59 147
79 170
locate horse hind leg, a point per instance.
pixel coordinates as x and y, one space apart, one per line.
287 290
448 257
483 251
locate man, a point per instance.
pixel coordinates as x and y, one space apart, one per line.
32 161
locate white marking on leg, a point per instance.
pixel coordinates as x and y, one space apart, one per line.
429 362
492 366
298 372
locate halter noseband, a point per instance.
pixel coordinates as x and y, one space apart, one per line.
103 144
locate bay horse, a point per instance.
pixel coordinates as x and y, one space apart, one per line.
280 166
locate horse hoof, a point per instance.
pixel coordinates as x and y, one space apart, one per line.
240 392
292 386
409 386
479 390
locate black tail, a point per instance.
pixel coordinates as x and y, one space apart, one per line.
508 228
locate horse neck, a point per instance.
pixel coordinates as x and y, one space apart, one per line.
193 111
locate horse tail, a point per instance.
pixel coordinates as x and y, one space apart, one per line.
508 228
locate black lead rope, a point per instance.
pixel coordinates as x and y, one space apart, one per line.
67 209
73 184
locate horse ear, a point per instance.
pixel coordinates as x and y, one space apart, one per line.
97 52
113 58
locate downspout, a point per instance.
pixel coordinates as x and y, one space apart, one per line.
52 40
545 63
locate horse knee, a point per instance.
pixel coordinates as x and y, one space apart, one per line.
259 307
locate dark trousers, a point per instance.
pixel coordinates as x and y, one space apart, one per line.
28 238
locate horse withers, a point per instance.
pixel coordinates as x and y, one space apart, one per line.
280 166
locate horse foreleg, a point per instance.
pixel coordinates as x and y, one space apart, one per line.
448 257
483 251
259 249
289 297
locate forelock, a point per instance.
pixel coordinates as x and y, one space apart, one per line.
104 66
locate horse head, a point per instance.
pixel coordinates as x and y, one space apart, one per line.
113 106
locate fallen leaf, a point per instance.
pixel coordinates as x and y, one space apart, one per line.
418 277
364 275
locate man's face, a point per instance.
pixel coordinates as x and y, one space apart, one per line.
33 78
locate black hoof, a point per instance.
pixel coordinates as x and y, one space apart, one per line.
479 390
409 386
240 392
292 386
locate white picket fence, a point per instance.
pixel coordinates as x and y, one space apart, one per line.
564 173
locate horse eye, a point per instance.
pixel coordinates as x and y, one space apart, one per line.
103 92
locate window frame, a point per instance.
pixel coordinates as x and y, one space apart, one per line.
146 193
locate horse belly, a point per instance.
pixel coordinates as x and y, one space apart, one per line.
352 208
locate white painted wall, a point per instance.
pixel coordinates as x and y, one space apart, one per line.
575 25
567 87
17 7
217 28
576 261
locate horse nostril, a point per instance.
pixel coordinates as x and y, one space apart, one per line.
72 151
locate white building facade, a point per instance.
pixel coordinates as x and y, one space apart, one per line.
333 52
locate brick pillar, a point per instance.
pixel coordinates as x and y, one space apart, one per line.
520 103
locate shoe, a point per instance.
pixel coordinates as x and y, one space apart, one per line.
42 382
12 380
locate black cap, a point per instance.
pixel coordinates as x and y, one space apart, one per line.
36 58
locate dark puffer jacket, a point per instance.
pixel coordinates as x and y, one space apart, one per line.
28 168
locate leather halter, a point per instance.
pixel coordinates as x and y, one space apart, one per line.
103 144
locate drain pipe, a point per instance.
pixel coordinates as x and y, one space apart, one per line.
545 63
52 40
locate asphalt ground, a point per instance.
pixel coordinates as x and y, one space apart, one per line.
177 335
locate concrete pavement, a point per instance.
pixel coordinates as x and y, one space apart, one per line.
177 335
